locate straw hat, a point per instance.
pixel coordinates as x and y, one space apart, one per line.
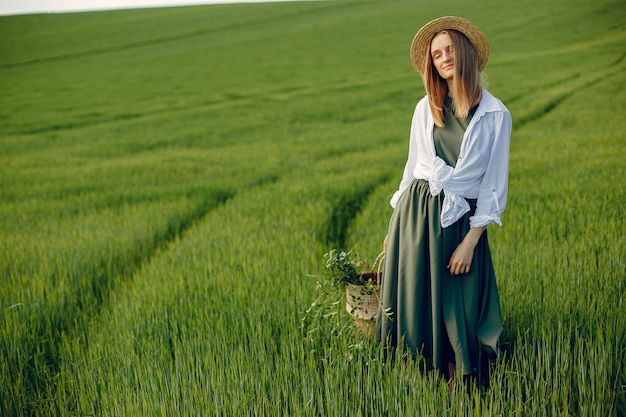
421 43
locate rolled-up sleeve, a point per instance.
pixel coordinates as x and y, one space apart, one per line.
492 194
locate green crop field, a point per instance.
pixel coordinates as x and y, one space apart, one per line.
171 178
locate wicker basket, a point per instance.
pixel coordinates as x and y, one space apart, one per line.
363 306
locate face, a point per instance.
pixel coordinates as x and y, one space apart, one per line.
442 53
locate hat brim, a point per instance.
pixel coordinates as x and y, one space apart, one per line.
420 47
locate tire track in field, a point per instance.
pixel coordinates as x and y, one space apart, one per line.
345 209
557 93
172 38
38 362
232 100
40 359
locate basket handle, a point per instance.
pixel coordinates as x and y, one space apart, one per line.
377 267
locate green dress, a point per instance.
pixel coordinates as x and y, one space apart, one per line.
427 311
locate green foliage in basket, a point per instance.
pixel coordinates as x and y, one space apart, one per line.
343 268
324 318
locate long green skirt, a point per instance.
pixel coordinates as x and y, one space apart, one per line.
444 318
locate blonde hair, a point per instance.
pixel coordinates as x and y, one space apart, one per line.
467 80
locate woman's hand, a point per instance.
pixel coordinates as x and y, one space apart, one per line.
461 259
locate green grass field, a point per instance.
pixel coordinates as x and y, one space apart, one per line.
170 179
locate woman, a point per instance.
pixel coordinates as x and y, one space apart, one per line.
439 296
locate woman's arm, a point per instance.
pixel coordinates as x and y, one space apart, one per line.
492 194
461 259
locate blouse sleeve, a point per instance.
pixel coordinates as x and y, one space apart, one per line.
408 176
492 193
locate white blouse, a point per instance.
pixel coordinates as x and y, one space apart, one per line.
481 171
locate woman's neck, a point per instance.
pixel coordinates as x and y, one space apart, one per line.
450 87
